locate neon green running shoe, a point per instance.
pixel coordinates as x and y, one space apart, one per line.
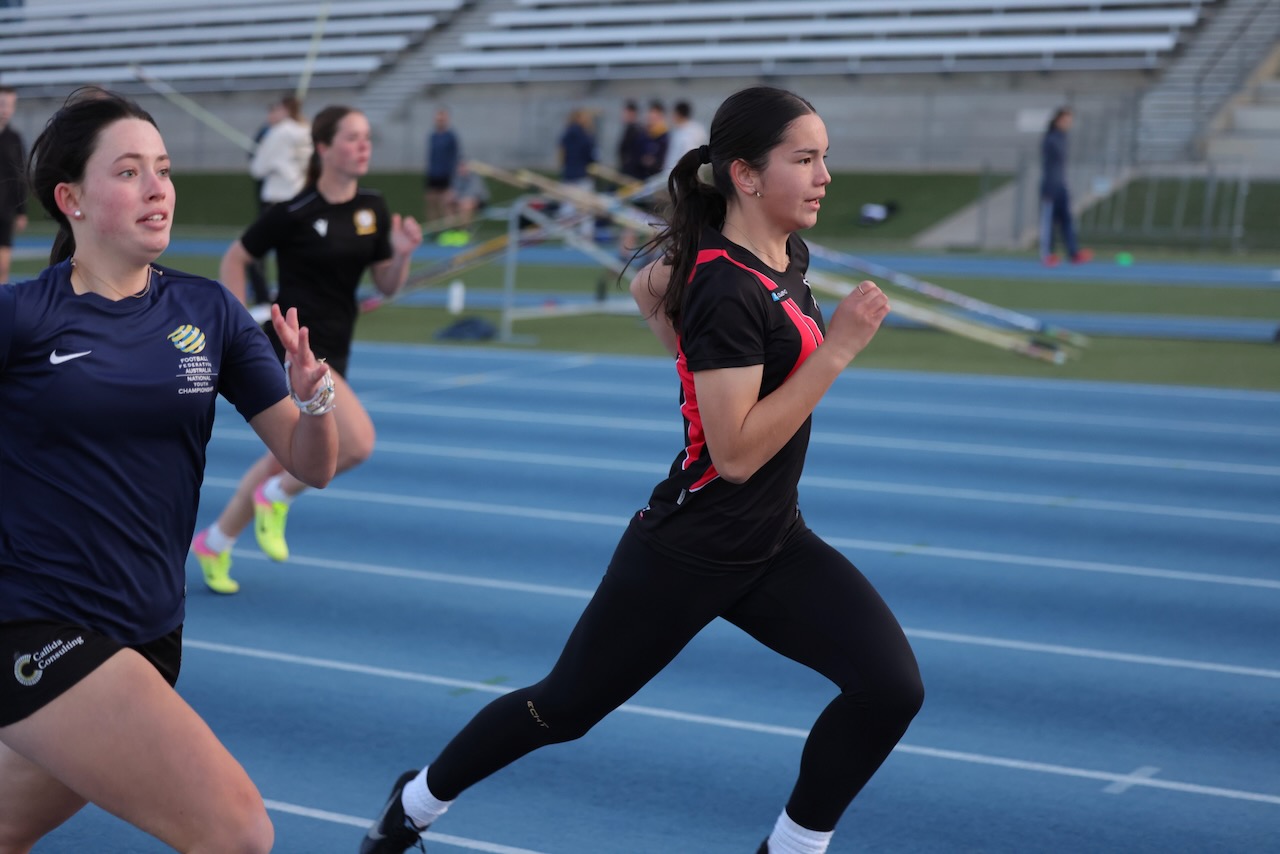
268 525
216 566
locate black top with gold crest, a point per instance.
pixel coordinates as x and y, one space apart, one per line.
322 251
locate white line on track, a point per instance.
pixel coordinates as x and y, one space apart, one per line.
441 382
631 424
861 403
363 823
923 634
566 461
436 357
749 726
942 553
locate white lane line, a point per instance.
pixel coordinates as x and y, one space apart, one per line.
433 355
438 382
1146 772
747 726
490 509
633 424
1097 654
921 634
667 392
1054 563
363 824
563 461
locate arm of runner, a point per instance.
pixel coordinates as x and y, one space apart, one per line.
390 275
231 270
306 445
745 431
648 286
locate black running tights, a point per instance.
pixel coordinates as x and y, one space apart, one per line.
809 603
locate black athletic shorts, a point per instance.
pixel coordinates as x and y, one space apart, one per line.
42 659
440 184
6 230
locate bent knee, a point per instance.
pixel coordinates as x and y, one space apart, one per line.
248 831
251 834
356 451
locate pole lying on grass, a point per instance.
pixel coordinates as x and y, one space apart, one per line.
490 249
903 280
1057 353
1001 339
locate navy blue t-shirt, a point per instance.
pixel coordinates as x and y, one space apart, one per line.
105 411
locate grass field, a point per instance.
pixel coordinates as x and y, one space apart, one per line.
225 204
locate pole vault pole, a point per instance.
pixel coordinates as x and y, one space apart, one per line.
189 106
313 51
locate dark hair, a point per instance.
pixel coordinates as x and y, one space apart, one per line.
324 127
747 126
7 90
292 106
656 104
1057 114
65 145
682 109
631 105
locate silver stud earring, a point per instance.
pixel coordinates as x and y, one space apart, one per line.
757 194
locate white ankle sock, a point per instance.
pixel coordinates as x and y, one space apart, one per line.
273 491
420 805
216 540
790 838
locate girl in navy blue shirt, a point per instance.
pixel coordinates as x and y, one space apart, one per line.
109 370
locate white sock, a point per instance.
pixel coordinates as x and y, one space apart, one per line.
216 540
272 490
420 805
790 838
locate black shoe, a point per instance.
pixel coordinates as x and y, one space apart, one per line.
392 833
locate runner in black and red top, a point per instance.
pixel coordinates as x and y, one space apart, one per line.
723 536
324 239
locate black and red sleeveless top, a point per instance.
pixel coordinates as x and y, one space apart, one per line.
737 312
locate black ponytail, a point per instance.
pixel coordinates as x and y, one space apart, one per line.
747 126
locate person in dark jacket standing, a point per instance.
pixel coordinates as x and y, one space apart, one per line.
443 153
13 192
1055 201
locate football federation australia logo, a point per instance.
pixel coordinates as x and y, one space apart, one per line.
187 338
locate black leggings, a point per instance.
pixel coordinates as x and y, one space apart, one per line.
808 603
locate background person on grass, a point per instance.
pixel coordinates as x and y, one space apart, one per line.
1055 200
443 153
722 536
280 166
108 373
324 239
13 189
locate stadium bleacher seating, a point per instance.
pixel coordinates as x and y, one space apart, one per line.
550 39
231 43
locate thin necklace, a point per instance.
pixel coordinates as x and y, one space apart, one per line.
764 256
146 288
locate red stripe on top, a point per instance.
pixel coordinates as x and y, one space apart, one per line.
695 438
810 334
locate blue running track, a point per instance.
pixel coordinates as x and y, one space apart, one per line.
1089 573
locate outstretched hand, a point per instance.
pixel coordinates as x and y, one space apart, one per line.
305 370
406 234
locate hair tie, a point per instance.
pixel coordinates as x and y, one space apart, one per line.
704 154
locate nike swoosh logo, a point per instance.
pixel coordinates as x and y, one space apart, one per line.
55 359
